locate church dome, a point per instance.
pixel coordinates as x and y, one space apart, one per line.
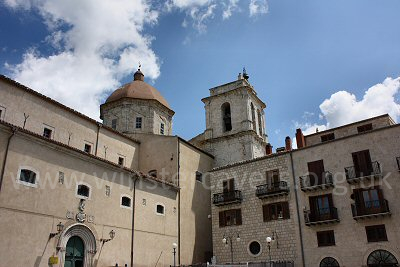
138 89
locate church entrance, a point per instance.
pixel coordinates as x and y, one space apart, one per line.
75 252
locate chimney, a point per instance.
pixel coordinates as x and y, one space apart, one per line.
268 149
300 139
288 143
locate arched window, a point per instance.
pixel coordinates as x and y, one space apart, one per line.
259 122
381 258
226 117
253 116
153 173
329 262
125 201
83 191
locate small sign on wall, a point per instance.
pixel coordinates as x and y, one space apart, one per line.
53 260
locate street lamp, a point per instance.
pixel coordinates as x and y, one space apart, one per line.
60 227
174 246
229 238
269 242
112 235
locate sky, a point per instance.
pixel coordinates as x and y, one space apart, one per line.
316 64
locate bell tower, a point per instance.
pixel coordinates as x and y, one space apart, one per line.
235 123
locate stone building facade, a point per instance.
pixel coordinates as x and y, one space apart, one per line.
76 192
340 186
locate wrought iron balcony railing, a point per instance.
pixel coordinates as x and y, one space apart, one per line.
313 182
373 171
323 216
370 209
227 197
272 189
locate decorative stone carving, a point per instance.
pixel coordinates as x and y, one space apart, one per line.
69 215
90 219
81 217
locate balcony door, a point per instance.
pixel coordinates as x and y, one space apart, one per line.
228 185
316 172
273 179
362 163
320 207
368 200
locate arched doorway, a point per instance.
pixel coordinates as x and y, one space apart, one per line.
77 246
74 252
382 258
329 262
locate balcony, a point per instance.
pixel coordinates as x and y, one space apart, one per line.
370 209
313 183
355 176
272 190
323 216
227 198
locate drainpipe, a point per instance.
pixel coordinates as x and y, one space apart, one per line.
133 217
13 131
298 211
99 125
179 204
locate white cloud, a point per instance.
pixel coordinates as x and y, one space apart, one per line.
343 107
258 7
230 8
97 43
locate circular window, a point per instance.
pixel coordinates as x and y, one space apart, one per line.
255 248
329 262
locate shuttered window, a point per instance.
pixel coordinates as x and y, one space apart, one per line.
315 171
364 128
230 217
326 238
376 233
362 163
275 211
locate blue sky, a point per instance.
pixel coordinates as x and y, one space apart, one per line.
317 64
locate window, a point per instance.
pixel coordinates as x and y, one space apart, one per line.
125 202
160 210
362 163
27 176
87 148
376 233
255 248
329 262
60 177
47 132
380 258
273 177
398 163
108 190
321 207
114 124
121 161
364 128
259 122
316 172
327 137
253 116
230 217
83 191
369 200
1 114
275 211
162 128
226 117
228 185
138 123
153 173
326 238
199 177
